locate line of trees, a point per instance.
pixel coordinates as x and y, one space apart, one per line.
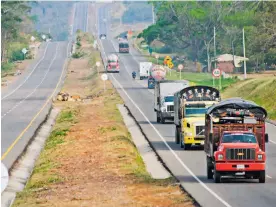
13 14
188 27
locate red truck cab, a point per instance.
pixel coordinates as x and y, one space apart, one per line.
113 63
235 140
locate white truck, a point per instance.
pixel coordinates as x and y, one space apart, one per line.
164 98
144 69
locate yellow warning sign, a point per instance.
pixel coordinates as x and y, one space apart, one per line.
170 65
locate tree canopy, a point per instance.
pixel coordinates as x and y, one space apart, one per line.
188 27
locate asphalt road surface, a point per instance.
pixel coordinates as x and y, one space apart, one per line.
189 167
26 102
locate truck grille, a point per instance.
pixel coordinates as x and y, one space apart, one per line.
200 130
170 108
240 154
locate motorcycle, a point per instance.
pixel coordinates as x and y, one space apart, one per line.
133 75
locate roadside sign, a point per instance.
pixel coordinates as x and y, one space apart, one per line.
216 73
180 66
104 77
168 58
170 65
24 51
4 177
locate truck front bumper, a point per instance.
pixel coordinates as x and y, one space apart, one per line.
240 167
168 115
194 140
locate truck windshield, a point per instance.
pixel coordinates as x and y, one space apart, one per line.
195 111
123 45
169 99
242 138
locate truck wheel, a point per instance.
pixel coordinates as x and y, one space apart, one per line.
187 146
176 135
141 78
262 177
162 120
157 118
217 176
209 168
181 140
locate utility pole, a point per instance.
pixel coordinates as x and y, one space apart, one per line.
214 56
244 63
152 11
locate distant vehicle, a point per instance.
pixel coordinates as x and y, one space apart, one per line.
133 74
235 140
151 82
123 46
163 98
144 69
190 105
113 63
102 36
158 72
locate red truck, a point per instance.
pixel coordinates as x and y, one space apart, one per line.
235 140
113 63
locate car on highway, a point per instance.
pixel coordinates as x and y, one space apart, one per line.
103 36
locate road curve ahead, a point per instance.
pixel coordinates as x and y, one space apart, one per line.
26 102
189 167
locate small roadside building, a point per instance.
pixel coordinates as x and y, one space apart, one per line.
227 62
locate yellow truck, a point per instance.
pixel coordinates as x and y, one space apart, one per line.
190 105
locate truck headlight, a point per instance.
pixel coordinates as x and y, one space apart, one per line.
188 134
220 157
260 157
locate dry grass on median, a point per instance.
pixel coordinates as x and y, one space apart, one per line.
90 159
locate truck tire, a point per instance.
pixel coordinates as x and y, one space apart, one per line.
209 168
217 176
157 117
187 146
141 78
162 119
262 177
181 140
177 140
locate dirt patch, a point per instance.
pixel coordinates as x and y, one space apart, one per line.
9 77
90 159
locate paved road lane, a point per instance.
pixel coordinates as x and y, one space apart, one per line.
189 166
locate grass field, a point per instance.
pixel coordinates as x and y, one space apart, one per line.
260 90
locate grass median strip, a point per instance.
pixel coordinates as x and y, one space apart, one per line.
90 159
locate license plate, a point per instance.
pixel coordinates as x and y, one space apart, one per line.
240 167
202 142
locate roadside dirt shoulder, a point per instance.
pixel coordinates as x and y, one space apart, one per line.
90 158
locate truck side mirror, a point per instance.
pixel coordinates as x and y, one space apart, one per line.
158 100
155 110
266 138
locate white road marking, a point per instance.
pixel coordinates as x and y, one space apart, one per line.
272 141
268 176
47 44
171 150
48 69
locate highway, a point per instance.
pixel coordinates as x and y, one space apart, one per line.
26 102
189 167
